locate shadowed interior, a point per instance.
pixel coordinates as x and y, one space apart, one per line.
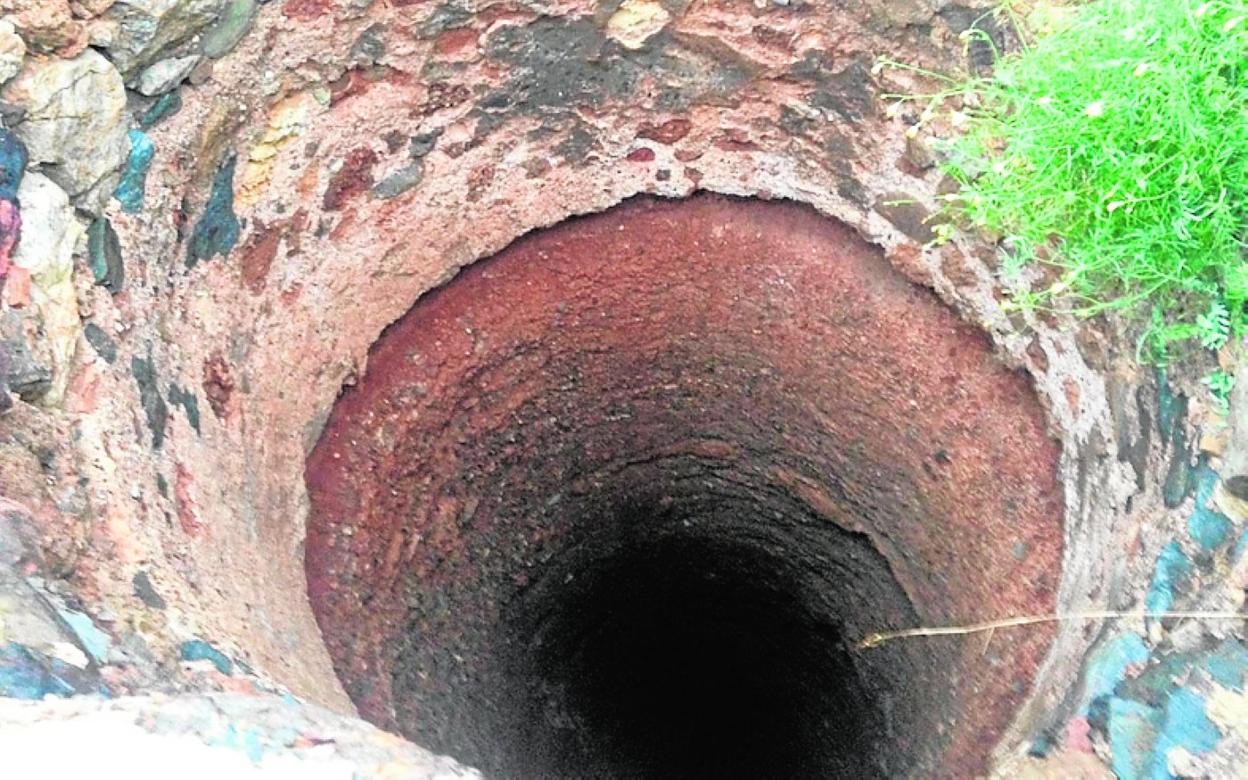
621 500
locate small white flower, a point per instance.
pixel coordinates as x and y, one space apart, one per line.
1095 109
1045 101
1140 69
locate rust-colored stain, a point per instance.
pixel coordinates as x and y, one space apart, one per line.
354 178
753 344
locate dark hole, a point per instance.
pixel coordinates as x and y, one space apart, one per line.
686 656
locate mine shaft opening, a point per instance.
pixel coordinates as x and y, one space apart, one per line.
702 650
622 499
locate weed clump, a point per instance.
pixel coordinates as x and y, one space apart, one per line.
1113 148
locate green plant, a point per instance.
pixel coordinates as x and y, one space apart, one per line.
1113 149
1220 384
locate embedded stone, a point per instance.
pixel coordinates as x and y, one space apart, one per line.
101 342
13 160
636 22
130 189
189 403
907 215
904 13
166 106
47 243
23 372
234 23
12 51
199 650
400 181
216 233
150 28
104 249
50 233
146 591
150 400
48 25
165 75
74 118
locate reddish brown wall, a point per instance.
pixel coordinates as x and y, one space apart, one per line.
601 357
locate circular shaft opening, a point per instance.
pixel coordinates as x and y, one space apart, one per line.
621 500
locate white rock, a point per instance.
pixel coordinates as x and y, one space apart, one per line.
12 51
50 231
165 75
149 28
637 21
74 118
103 32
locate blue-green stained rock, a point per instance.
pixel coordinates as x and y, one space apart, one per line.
1173 570
1207 526
1185 726
13 159
1108 664
1227 664
216 233
1180 477
1132 732
89 635
199 650
230 27
23 675
1171 412
167 105
1171 408
129 191
104 249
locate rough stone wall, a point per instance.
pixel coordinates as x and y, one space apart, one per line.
209 209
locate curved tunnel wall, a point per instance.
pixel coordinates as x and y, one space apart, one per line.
678 457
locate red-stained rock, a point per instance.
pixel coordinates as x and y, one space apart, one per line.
188 518
353 178
306 10
218 385
668 132
258 255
